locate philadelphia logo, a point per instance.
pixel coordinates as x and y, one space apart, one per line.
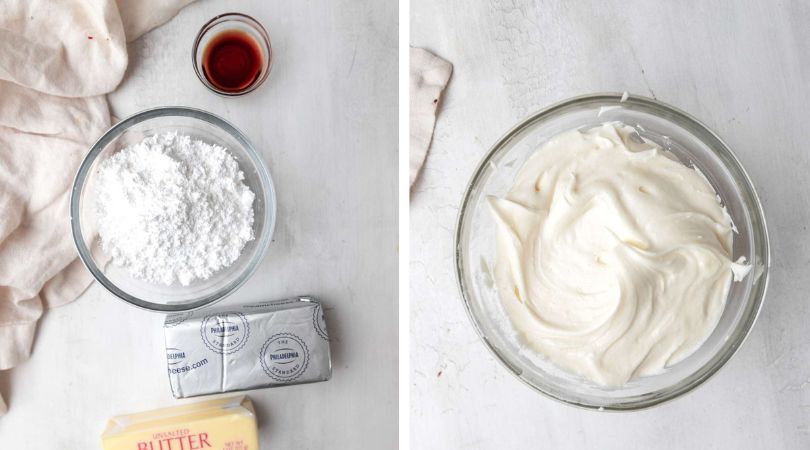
284 357
225 329
175 356
225 333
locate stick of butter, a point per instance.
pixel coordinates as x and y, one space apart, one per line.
221 424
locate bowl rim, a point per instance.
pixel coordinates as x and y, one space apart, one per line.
741 332
115 131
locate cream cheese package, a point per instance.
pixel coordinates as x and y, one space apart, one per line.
252 346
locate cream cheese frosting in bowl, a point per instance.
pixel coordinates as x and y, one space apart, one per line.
597 252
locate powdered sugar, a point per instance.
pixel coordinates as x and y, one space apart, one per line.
172 209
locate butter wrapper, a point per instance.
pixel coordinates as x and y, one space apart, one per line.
259 345
224 423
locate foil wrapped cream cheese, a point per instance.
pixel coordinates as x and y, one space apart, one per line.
251 346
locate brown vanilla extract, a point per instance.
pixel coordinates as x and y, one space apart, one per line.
232 61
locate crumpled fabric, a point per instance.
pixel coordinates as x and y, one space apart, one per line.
58 59
429 75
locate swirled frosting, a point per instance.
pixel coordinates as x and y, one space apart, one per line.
613 258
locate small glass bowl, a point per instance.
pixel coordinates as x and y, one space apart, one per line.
695 145
174 298
232 22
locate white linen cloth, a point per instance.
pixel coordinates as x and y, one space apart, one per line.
429 76
57 61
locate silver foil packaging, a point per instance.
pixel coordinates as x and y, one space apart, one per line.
259 345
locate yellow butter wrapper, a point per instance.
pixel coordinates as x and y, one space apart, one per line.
222 424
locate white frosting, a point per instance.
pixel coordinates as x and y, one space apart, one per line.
613 258
739 268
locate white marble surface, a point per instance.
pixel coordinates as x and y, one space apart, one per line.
326 123
742 67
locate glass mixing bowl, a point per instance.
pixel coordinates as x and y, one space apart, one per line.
695 145
199 125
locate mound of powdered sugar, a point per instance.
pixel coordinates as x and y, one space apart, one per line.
172 209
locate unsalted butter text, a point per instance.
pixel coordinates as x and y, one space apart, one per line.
176 440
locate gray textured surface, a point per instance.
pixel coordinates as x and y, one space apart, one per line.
326 123
740 67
